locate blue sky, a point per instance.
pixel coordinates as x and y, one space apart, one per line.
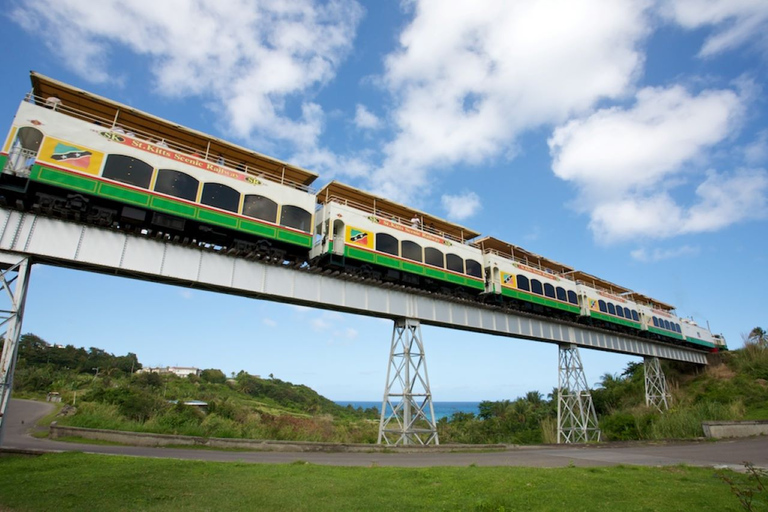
628 139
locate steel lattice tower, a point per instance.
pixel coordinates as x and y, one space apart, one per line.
656 391
407 413
576 418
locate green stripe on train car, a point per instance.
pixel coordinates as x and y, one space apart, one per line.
220 219
174 207
124 195
620 321
294 238
537 299
257 228
414 268
70 181
697 341
666 333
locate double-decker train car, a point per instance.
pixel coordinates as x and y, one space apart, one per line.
83 157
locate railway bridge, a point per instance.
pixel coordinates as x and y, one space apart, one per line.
407 415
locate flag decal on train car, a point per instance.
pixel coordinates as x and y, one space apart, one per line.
358 237
74 156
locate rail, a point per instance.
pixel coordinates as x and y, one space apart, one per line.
19 161
378 213
169 143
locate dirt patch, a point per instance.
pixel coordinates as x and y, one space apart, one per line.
721 371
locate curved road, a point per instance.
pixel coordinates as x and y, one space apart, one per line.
22 415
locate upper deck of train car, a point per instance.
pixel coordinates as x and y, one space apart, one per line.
336 192
121 118
652 303
489 244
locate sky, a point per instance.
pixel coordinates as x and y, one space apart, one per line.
627 139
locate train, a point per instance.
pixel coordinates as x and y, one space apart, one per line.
79 156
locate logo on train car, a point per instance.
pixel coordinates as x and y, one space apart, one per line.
508 279
65 154
593 304
359 237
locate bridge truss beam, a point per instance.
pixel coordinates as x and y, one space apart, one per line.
407 412
576 418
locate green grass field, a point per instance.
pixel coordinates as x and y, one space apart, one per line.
82 482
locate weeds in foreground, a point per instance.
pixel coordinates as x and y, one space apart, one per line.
749 487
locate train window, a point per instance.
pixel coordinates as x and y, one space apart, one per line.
635 316
619 311
221 196
611 308
655 322
561 294
602 306
387 243
677 328
412 251
126 169
433 257
549 290
474 269
29 138
295 217
666 325
572 297
260 207
627 313
522 283
176 184
536 287
455 263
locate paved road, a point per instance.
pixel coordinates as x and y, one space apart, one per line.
22 415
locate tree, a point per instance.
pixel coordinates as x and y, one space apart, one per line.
758 336
213 376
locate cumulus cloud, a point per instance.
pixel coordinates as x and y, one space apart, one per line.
651 256
468 77
627 161
735 22
365 119
253 57
462 206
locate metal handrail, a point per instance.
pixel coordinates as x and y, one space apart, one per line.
160 141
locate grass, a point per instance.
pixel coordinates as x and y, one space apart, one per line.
82 482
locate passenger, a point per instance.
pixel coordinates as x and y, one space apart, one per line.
117 129
52 102
162 143
415 222
220 159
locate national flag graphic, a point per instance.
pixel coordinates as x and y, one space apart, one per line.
358 237
72 155
507 278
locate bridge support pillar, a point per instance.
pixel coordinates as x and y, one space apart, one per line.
656 391
14 281
576 418
407 413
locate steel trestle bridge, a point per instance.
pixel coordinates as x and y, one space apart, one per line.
406 417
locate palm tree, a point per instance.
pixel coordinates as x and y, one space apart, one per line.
758 336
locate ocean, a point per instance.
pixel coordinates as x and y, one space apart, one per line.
442 409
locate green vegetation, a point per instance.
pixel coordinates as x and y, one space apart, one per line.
75 481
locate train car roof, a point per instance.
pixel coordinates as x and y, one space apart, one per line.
644 299
600 284
514 252
366 201
88 106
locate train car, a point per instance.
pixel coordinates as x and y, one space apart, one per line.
78 155
388 241
527 280
607 303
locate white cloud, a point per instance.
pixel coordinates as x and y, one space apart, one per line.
736 22
756 153
253 57
269 322
470 76
626 162
462 206
365 119
652 256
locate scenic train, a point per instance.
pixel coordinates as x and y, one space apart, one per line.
82 157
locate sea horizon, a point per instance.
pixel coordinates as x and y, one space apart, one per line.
443 409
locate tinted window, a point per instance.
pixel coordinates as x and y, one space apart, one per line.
387 243
611 308
474 268
522 283
221 196
411 251
455 263
177 184
655 322
619 311
666 325
627 313
602 306
126 169
635 316
536 286
29 138
549 290
433 257
561 294
572 297
296 218
677 328
260 207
